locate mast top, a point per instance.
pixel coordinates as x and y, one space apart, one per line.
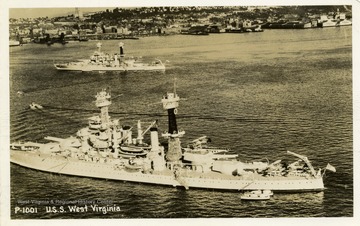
103 98
171 100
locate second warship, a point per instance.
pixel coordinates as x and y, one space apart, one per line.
101 61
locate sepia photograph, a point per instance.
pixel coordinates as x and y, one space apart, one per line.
179 112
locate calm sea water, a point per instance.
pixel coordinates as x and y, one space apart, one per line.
259 94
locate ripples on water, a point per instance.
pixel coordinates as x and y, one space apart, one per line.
258 94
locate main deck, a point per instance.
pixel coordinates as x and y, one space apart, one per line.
183 177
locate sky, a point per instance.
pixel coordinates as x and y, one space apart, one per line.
48 12
36 8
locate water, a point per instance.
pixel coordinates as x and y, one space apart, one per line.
259 94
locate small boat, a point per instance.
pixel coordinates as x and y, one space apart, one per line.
195 30
133 167
25 146
257 195
35 106
339 19
345 22
268 192
83 39
223 156
258 29
134 164
128 155
14 43
331 23
132 149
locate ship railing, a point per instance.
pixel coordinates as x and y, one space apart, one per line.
194 165
298 174
275 173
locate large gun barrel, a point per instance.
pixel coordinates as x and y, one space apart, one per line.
54 139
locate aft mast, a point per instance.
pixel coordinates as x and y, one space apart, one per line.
170 103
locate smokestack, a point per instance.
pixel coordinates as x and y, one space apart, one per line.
140 137
121 46
121 50
154 139
127 134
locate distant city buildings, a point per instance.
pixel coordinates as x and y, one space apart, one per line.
163 20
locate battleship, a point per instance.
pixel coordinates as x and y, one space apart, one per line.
107 150
101 61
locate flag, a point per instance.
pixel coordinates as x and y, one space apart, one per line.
330 167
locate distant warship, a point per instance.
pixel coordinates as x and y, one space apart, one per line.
106 150
101 61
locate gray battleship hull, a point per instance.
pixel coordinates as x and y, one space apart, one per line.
212 180
87 66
